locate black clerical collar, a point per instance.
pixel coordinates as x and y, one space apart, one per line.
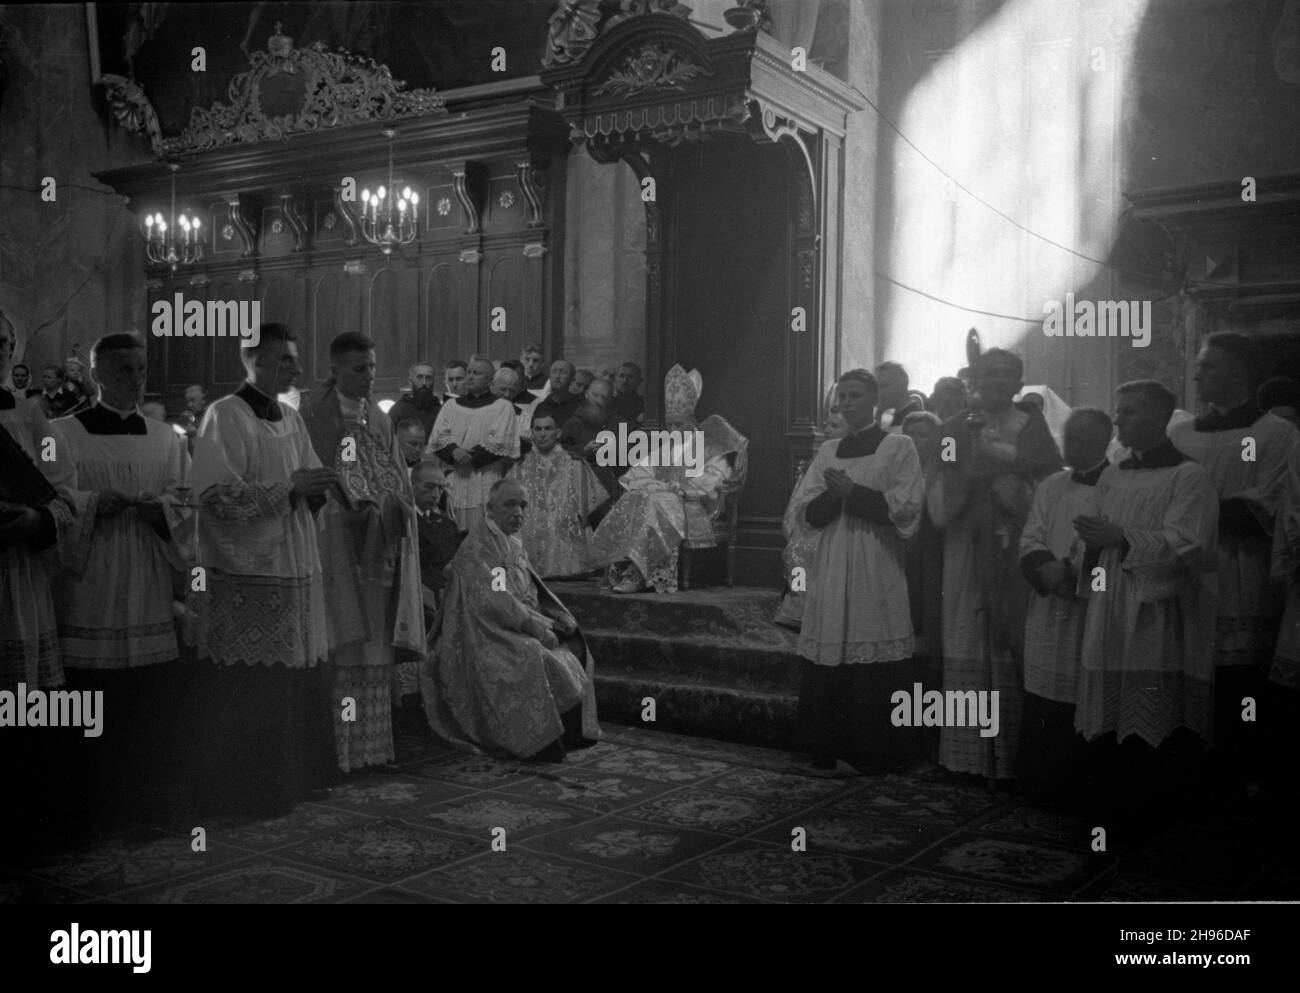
264 407
100 419
1163 456
1090 477
1236 418
482 400
863 442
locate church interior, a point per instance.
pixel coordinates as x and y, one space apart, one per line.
768 194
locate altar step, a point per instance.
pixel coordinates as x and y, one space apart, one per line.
711 658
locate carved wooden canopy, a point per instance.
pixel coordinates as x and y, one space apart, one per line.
655 78
286 91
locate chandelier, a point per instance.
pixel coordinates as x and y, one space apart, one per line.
389 219
173 241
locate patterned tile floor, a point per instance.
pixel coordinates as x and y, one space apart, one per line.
652 817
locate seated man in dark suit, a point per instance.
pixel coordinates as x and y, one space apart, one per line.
438 540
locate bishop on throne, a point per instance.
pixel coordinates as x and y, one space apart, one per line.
674 494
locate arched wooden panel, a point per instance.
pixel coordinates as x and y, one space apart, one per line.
227 372
445 334
532 290
273 293
393 323
503 287
327 302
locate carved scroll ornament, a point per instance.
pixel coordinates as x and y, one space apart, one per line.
334 89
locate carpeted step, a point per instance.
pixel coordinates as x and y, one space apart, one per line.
723 712
741 612
721 661
712 658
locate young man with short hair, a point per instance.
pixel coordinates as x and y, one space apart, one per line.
114 603
565 496
476 436
368 552
1146 683
453 379
262 630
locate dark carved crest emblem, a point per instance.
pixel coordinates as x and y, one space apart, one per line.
653 67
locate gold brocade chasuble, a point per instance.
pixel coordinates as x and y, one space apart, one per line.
369 537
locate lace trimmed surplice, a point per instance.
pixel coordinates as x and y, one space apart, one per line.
264 602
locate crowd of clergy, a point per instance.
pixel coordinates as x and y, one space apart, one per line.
1125 582
277 579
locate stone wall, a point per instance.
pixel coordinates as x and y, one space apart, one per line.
861 164
71 269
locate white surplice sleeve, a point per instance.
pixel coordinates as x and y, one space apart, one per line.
445 430
1034 535
222 462
1276 445
1185 543
503 433
905 492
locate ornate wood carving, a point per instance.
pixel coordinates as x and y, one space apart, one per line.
245 217
133 110
469 180
768 123
800 467
573 28
310 289
654 67
293 208
351 229
528 174
576 24
338 89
